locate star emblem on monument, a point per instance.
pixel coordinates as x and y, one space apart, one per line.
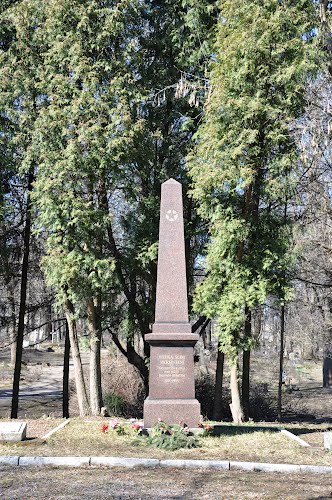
171 215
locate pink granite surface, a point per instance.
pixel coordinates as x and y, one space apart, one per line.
172 384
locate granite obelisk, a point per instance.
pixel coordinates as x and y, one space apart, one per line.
172 383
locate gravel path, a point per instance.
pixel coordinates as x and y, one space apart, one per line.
41 385
39 393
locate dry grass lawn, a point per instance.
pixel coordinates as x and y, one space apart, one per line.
158 484
84 438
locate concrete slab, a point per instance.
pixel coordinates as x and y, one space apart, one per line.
248 466
317 469
295 438
216 464
263 467
54 461
328 440
124 462
9 460
151 462
13 431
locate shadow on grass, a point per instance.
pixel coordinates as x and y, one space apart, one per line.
232 430
26 442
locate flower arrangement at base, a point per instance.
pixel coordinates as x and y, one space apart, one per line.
137 427
118 426
122 427
207 429
104 428
172 437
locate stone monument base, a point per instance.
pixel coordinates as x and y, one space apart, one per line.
172 411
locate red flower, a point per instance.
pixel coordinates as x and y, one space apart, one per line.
104 427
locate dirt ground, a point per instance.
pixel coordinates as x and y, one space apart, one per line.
41 385
158 484
40 406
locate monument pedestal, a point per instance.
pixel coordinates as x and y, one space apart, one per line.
172 411
172 382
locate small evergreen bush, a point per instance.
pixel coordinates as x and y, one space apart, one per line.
115 404
172 437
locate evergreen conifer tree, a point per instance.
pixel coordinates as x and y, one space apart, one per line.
243 162
20 102
81 137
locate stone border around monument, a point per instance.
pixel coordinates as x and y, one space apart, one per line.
9 460
54 461
215 464
151 462
125 462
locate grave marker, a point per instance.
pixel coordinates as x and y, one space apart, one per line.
13 431
328 440
172 383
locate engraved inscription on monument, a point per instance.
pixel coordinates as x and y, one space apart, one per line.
171 368
172 372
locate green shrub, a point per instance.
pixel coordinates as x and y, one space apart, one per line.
204 388
115 404
122 379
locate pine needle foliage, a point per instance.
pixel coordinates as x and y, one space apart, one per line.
80 138
243 164
172 437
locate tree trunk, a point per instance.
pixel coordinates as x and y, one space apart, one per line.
246 366
13 348
65 385
95 365
208 343
235 406
78 368
134 359
23 297
281 361
202 333
327 371
217 404
134 307
135 310
256 324
49 325
13 327
246 384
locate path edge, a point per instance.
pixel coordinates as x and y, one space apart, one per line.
70 461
